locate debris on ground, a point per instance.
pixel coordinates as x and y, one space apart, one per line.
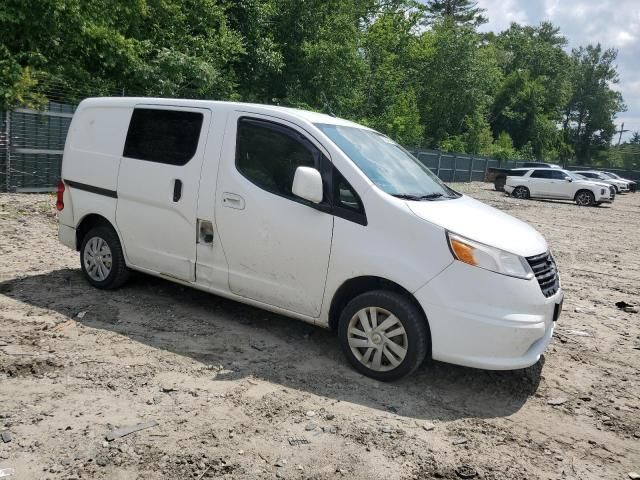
293 441
627 307
6 436
124 431
577 333
7 472
466 471
557 401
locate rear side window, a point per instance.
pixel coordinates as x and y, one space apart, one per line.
541 174
268 155
163 136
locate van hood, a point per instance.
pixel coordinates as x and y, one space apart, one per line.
482 223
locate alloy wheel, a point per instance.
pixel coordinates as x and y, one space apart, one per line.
583 198
521 193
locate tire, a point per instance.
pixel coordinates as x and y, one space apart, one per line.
414 337
521 192
585 198
103 268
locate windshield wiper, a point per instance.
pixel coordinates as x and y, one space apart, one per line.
417 198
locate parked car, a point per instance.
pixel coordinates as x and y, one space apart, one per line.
554 183
309 216
633 185
540 165
621 186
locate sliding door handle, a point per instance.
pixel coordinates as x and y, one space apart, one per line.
177 190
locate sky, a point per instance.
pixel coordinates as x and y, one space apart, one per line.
613 23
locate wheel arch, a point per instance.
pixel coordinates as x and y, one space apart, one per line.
88 222
359 285
584 190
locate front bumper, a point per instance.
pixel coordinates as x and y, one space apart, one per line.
605 195
486 320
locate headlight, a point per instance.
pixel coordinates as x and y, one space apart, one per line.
489 258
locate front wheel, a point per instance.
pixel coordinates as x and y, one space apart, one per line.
585 198
384 335
102 259
521 192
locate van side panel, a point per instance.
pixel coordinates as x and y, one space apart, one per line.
96 137
91 161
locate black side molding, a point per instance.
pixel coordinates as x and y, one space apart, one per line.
92 189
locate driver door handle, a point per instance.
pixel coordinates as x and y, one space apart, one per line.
232 200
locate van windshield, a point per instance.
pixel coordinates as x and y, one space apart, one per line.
389 166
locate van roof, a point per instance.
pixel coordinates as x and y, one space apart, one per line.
309 116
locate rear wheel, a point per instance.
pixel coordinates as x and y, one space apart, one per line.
585 198
521 192
102 259
384 335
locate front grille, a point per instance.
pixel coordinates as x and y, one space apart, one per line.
544 268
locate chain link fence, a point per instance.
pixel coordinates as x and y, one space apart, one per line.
32 143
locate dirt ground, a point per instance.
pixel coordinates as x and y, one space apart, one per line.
240 393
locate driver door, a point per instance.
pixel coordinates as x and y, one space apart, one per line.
559 186
277 245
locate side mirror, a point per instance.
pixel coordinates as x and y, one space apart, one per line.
307 184
568 179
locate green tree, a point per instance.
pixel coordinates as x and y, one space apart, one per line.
589 115
462 12
74 48
536 87
390 102
456 79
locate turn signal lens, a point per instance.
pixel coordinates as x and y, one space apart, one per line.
490 258
463 252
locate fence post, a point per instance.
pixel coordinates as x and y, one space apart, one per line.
486 168
453 170
8 161
471 169
438 168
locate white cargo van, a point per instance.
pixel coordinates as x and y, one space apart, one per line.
310 216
